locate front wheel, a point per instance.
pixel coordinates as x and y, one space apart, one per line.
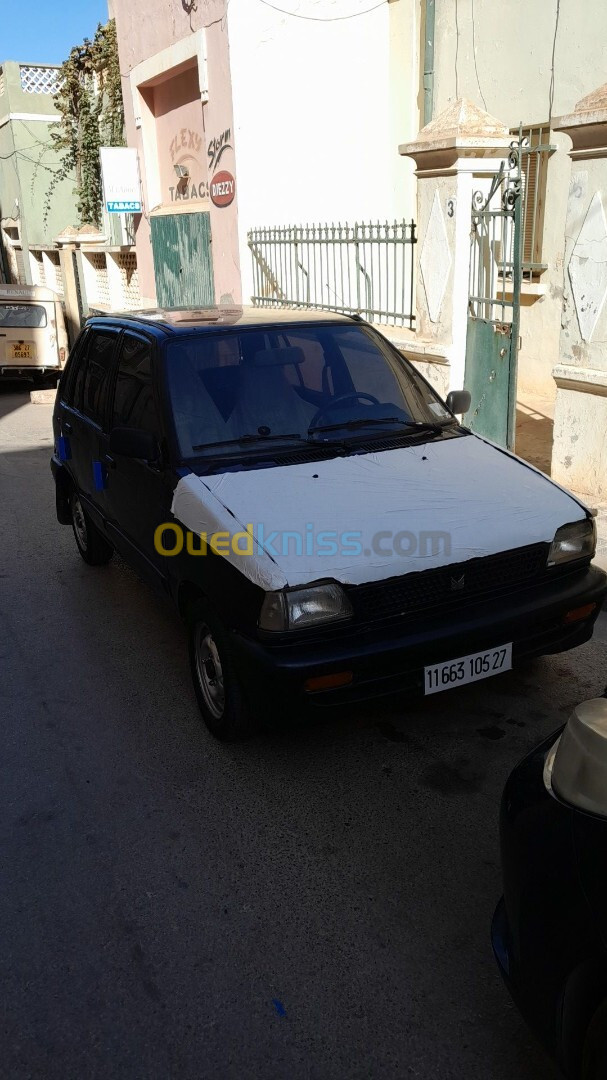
92 546
219 691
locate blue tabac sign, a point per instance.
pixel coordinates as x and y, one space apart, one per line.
116 207
121 185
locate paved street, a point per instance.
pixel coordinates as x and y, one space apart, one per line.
312 904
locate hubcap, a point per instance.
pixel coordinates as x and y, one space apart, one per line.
209 672
79 523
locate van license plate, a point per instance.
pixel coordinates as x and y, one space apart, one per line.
467 669
23 350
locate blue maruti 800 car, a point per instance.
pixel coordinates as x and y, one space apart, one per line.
327 527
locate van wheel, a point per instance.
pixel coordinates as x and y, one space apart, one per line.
594 1058
93 547
219 691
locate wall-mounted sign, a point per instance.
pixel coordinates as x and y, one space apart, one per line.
218 147
223 188
121 185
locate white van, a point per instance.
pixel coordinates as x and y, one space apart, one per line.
33 338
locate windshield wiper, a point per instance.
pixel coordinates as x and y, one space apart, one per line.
249 439
362 421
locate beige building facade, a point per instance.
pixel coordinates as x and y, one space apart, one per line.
527 63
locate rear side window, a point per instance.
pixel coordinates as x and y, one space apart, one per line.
134 403
68 379
93 375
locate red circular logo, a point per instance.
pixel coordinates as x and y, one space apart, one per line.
223 188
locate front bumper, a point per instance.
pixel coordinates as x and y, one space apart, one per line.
390 659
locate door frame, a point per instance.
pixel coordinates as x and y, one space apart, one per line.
494 294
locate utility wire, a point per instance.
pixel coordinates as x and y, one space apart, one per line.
551 93
456 51
331 18
474 58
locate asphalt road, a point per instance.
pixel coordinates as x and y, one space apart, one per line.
312 904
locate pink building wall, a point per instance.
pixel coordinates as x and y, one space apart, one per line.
185 129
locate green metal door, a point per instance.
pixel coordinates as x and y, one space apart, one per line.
494 304
488 377
181 244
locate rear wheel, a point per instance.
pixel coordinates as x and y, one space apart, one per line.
594 1058
93 547
46 381
219 692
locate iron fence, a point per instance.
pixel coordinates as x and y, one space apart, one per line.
365 269
536 149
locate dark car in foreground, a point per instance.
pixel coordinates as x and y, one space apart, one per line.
327 527
549 931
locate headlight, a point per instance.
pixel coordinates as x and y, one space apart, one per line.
574 541
295 609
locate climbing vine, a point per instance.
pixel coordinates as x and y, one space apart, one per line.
89 101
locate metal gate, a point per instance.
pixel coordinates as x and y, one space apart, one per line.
494 302
181 244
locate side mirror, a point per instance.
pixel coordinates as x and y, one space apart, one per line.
134 443
459 401
579 771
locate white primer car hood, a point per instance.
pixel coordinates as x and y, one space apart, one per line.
484 497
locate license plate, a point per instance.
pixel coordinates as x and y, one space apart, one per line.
23 350
467 669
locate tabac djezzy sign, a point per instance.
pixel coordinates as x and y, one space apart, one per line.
222 187
121 184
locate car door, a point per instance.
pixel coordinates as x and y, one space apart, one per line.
84 416
139 493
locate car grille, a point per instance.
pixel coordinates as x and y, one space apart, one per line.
450 586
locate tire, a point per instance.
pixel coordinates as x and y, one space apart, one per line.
93 547
46 381
594 1056
219 692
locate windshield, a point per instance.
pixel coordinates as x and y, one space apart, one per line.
22 315
292 382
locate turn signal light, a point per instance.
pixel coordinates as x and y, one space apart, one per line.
329 682
579 613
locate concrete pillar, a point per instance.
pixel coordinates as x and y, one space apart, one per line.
70 292
456 154
579 454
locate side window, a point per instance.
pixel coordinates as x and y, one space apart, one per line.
93 375
134 403
75 361
430 397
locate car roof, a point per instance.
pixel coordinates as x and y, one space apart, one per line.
185 320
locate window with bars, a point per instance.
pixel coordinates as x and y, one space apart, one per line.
534 167
129 279
96 278
39 80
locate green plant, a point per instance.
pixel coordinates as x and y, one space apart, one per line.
89 101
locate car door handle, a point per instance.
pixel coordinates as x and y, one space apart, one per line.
67 427
110 461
